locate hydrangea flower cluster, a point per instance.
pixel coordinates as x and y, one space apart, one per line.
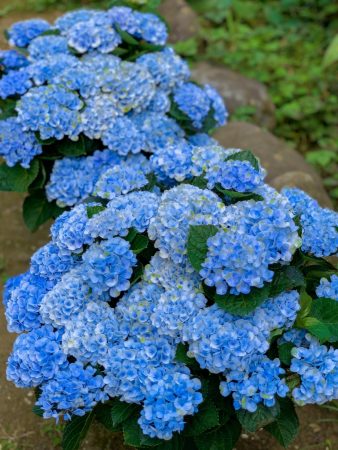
126 283
93 90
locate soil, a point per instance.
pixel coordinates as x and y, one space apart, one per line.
20 429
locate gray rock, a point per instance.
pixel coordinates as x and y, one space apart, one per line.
238 90
285 166
181 18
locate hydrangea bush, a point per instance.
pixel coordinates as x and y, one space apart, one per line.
93 95
184 301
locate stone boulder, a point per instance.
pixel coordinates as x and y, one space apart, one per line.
181 18
238 90
285 166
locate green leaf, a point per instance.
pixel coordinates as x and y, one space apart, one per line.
40 180
7 108
137 274
189 47
76 430
243 304
181 355
197 243
206 418
37 410
286 425
139 243
93 210
103 415
258 419
237 196
223 438
121 411
176 443
126 37
134 436
331 54
37 210
70 148
305 307
17 178
323 320
245 155
284 352
199 182
285 279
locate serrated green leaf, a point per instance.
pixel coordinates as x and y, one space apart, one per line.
284 352
197 243
243 304
205 419
37 210
245 155
93 210
289 277
76 430
223 438
258 419
286 425
139 243
323 319
17 178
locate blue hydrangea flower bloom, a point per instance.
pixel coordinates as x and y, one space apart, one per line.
108 266
123 137
328 288
51 70
68 231
173 162
17 145
15 82
217 103
160 103
48 262
68 20
22 33
260 382
280 311
44 46
51 110
208 156
167 68
22 309
319 225
12 60
88 335
120 180
76 77
74 390
317 366
202 140
36 357
68 298
171 395
11 284
194 102
235 175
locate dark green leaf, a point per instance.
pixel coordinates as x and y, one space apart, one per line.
243 304
223 438
181 354
285 427
206 418
284 352
199 182
103 415
37 410
176 443
245 155
17 178
126 37
121 411
7 108
40 180
323 319
197 243
93 210
258 419
72 148
137 274
235 196
139 243
76 430
285 279
134 436
37 210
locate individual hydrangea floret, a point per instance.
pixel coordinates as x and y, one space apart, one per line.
108 266
328 288
319 225
16 144
15 82
317 366
22 33
36 357
53 111
120 180
260 382
74 390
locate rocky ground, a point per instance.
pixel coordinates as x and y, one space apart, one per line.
19 428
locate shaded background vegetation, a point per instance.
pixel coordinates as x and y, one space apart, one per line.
281 43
